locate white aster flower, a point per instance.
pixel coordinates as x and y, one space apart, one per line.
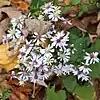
15 33
38 38
46 75
75 72
85 70
55 15
84 77
91 58
47 8
14 22
23 76
64 55
60 39
48 59
51 31
58 70
67 69
47 50
41 17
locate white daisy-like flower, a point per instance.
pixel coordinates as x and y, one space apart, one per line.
91 58
14 33
51 31
47 50
84 77
48 59
23 76
35 61
75 72
32 76
18 23
14 22
47 8
55 15
23 53
85 70
38 38
58 70
64 55
46 75
41 17
59 40
67 69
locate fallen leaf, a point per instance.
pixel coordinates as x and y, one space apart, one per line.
35 25
22 5
11 12
98 16
20 95
29 1
3 27
13 97
5 61
64 2
4 3
98 29
1 34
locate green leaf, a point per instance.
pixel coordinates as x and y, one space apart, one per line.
95 70
70 83
52 95
85 92
74 2
97 45
56 2
82 43
74 34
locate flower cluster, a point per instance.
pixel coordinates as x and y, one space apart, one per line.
50 12
14 35
38 62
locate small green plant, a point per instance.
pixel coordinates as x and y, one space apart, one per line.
5 93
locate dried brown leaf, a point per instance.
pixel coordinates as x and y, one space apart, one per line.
11 12
13 97
4 3
98 29
35 25
98 16
20 95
